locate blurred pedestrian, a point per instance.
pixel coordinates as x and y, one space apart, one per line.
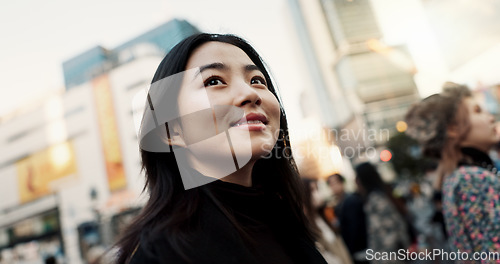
386 225
421 210
253 215
453 128
50 260
336 183
329 243
352 220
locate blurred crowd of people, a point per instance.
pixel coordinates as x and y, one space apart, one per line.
455 209
373 217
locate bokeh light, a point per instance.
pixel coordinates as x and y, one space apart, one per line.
401 126
385 155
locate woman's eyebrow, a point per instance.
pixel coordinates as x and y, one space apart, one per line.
251 67
215 65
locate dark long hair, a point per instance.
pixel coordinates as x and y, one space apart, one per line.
309 210
172 210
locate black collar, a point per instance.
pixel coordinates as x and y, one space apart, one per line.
475 157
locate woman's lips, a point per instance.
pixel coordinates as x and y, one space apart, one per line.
251 125
252 122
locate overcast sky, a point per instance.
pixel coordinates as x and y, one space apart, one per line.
37 36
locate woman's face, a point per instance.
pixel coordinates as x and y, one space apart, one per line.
228 105
482 133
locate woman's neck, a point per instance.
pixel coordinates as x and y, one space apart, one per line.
243 176
475 156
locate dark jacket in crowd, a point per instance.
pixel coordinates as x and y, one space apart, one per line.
353 224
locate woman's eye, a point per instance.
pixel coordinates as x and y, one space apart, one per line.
258 80
213 81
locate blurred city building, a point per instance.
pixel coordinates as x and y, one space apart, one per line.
368 85
70 166
98 60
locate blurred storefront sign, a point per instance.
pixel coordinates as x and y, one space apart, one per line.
121 220
37 171
111 219
120 201
118 211
109 133
40 228
89 236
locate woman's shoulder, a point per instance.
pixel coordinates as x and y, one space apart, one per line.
471 169
157 249
472 175
211 234
470 180
212 242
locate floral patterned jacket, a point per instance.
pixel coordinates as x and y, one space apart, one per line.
387 230
471 207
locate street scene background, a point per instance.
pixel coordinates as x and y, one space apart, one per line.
347 71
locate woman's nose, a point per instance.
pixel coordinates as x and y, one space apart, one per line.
245 94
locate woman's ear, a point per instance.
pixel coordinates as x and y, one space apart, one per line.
174 135
453 132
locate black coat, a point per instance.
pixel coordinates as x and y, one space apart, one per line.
275 235
353 224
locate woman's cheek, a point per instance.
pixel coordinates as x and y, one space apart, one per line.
197 100
270 139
